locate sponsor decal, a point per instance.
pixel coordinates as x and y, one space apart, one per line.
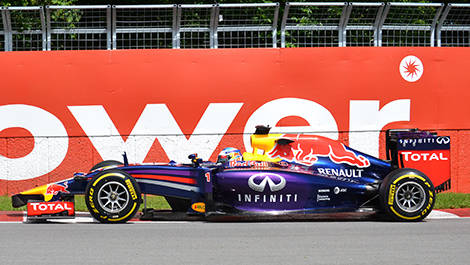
436 156
306 149
90 200
269 184
431 198
40 208
337 190
199 207
208 176
54 189
267 178
248 164
324 190
131 189
322 198
267 198
342 172
391 194
411 68
441 140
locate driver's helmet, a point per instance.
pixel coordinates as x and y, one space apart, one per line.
229 154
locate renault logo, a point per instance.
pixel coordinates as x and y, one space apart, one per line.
275 182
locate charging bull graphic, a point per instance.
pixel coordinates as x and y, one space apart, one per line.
306 149
54 189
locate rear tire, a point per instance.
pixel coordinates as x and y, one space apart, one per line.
106 163
113 196
407 195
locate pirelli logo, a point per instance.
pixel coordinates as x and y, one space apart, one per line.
131 189
391 194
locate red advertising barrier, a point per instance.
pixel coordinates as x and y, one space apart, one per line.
62 112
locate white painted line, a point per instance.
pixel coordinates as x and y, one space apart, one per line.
436 214
74 220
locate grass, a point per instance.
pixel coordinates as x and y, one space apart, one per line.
443 201
452 200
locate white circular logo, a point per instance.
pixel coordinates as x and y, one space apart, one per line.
411 68
336 190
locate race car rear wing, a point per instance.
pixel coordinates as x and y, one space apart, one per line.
422 150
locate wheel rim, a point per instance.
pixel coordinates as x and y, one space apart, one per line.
410 196
113 197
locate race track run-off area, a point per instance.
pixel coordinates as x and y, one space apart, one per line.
433 241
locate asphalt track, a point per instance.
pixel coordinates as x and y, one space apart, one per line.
439 241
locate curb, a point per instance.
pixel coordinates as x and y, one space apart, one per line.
20 216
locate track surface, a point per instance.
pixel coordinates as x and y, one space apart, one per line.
362 242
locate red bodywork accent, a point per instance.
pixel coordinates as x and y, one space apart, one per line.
168 178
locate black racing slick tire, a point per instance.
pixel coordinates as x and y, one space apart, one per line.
106 163
113 196
407 195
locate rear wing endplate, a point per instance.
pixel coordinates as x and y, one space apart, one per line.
422 150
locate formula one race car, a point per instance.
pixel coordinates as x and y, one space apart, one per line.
287 176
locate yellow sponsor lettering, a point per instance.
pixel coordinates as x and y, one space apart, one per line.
391 194
131 189
90 200
199 207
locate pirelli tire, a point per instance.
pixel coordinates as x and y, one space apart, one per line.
106 163
407 195
113 196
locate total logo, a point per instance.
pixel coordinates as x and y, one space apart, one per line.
40 208
433 156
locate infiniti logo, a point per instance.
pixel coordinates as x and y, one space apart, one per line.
443 140
268 178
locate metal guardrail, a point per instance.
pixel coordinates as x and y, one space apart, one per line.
234 26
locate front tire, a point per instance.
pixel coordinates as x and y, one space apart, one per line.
113 196
407 195
106 163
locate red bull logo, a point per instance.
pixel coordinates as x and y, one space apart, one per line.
306 149
54 189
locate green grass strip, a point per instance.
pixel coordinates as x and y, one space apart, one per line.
452 200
